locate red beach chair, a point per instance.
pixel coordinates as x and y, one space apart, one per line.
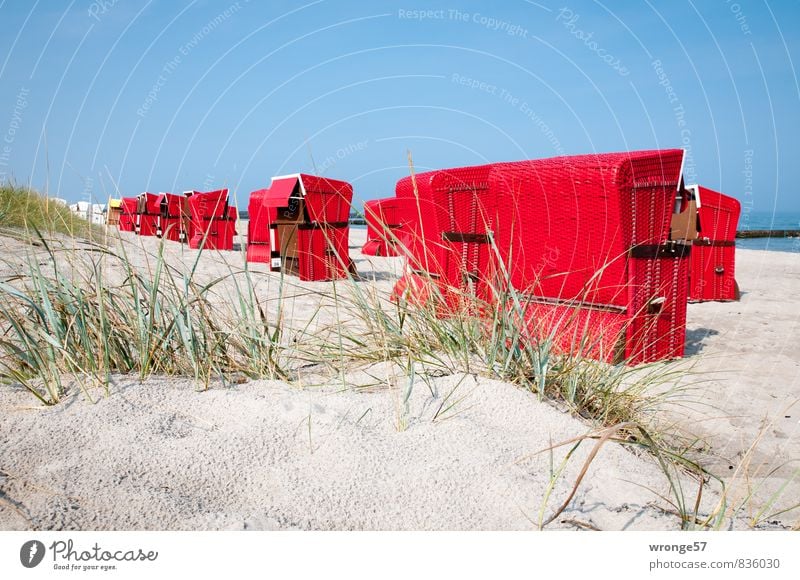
301 224
226 228
384 227
259 244
147 214
585 240
169 223
456 210
712 264
127 219
210 215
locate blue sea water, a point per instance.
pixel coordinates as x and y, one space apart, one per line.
770 244
762 220
769 221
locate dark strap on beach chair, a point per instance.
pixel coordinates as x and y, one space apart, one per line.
572 303
716 243
655 251
465 238
318 225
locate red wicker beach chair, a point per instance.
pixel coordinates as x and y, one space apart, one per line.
147 213
453 212
300 224
585 240
169 224
127 219
210 222
384 227
261 215
712 264
226 229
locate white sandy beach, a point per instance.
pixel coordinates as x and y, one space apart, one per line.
332 453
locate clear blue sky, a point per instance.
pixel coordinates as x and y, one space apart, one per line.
167 96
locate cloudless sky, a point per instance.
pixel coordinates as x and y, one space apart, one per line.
135 95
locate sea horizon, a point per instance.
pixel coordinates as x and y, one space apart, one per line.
769 220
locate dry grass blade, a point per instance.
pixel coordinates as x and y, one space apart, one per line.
602 438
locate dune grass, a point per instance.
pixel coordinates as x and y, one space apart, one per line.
91 311
24 210
68 316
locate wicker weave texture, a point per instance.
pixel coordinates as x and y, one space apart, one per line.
259 216
719 215
383 227
322 253
169 222
327 200
577 330
127 219
657 310
713 259
213 221
712 277
448 219
147 213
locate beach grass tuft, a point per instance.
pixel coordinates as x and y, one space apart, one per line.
25 211
69 315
